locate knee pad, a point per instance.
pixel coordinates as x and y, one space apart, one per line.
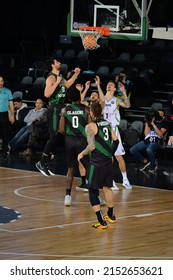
94 196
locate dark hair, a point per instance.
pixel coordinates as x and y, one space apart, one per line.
17 99
74 94
49 63
96 109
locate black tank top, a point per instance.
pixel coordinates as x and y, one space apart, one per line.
103 142
58 96
76 119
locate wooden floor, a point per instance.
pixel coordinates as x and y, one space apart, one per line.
48 230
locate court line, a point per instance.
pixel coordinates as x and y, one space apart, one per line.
87 222
59 175
17 192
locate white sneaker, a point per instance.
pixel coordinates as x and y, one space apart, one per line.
102 201
67 200
115 187
127 185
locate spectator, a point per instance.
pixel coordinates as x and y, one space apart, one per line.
36 114
38 133
155 128
20 111
170 141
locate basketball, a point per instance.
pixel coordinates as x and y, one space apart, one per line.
89 42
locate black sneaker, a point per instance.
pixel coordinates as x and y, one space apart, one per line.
42 168
82 188
50 172
145 166
153 169
50 165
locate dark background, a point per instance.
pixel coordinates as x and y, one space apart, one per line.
27 19
30 20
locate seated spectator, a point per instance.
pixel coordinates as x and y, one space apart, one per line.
20 111
36 114
38 132
170 141
155 128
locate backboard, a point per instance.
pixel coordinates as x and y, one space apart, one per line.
126 18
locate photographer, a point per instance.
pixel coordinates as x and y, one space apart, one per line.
155 128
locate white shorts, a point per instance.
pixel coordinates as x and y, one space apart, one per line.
120 150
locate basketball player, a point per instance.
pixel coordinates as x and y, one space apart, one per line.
112 115
74 118
100 172
55 90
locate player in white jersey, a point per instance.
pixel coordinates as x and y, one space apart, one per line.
112 114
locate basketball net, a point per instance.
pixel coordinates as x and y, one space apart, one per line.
90 37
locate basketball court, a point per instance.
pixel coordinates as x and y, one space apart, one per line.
44 229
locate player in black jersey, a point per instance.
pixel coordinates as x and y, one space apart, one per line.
102 144
74 118
55 90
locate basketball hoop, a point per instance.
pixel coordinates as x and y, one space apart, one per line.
90 36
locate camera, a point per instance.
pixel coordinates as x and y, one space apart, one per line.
152 114
121 79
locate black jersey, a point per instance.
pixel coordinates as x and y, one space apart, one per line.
57 100
58 96
103 142
76 119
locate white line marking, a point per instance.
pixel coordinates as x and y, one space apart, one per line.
86 222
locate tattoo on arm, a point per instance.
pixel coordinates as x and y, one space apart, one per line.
90 139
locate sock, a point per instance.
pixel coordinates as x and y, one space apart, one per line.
99 217
124 174
45 159
68 191
110 211
83 180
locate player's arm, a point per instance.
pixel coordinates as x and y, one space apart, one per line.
100 92
70 82
84 92
90 132
62 122
126 102
51 85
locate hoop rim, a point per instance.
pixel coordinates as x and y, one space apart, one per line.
104 31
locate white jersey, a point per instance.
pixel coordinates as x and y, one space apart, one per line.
111 111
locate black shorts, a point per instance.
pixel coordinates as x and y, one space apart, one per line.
73 147
53 116
100 176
